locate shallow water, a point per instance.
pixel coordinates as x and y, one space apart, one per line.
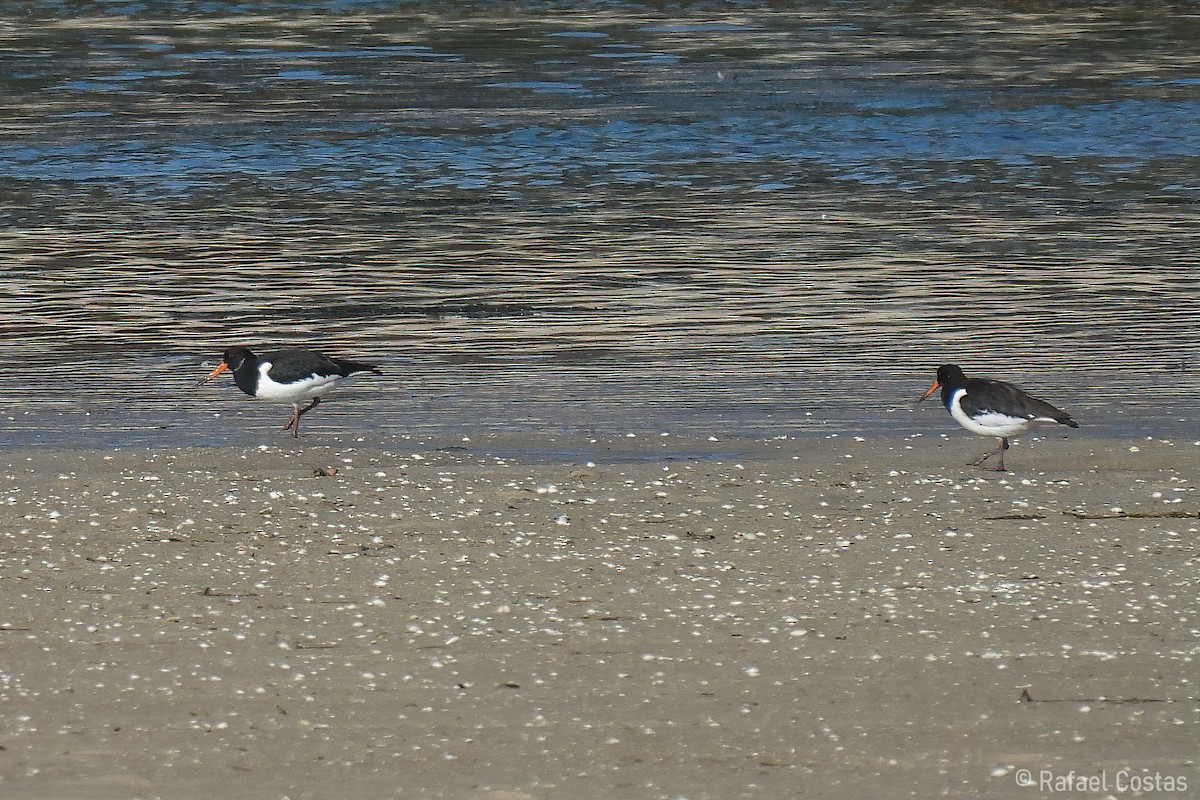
601 217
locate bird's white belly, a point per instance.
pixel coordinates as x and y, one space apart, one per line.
991 423
307 389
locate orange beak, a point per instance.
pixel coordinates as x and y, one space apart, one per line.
928 391
220 368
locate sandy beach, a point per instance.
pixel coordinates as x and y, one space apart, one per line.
538 617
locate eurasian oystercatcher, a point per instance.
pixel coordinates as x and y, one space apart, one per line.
992 408
288 376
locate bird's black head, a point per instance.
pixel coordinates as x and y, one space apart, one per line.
234 357
950 375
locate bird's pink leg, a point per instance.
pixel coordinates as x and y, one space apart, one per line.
1003 447
999 450
294 422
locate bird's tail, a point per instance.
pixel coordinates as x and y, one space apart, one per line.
351 367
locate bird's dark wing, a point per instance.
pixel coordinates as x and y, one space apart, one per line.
289 366
1004 398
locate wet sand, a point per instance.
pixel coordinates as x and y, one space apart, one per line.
649 617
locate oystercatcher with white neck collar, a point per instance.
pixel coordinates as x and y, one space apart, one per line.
992 408
288 376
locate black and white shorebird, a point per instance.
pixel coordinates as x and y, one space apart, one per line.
992 408
288 376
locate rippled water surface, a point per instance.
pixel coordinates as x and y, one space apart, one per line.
572 216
